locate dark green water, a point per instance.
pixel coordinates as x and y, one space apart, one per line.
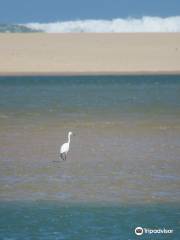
51 220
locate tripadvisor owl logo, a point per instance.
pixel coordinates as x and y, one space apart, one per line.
139 231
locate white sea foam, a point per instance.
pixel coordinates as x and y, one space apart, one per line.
144 24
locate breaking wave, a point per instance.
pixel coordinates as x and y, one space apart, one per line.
144 24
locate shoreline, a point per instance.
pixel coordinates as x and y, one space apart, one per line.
69 74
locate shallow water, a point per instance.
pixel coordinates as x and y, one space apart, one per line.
124 159
126 146
90 97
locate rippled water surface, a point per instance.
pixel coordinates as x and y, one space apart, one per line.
51 220
125 155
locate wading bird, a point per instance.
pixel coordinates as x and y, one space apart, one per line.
65 147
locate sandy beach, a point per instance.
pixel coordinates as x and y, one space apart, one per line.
88 53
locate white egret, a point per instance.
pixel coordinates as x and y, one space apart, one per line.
65 147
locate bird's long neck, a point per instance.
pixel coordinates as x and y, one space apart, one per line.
69 139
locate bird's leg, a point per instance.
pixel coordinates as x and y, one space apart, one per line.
61 156
64 155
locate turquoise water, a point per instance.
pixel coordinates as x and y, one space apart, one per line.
123 168
51 220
